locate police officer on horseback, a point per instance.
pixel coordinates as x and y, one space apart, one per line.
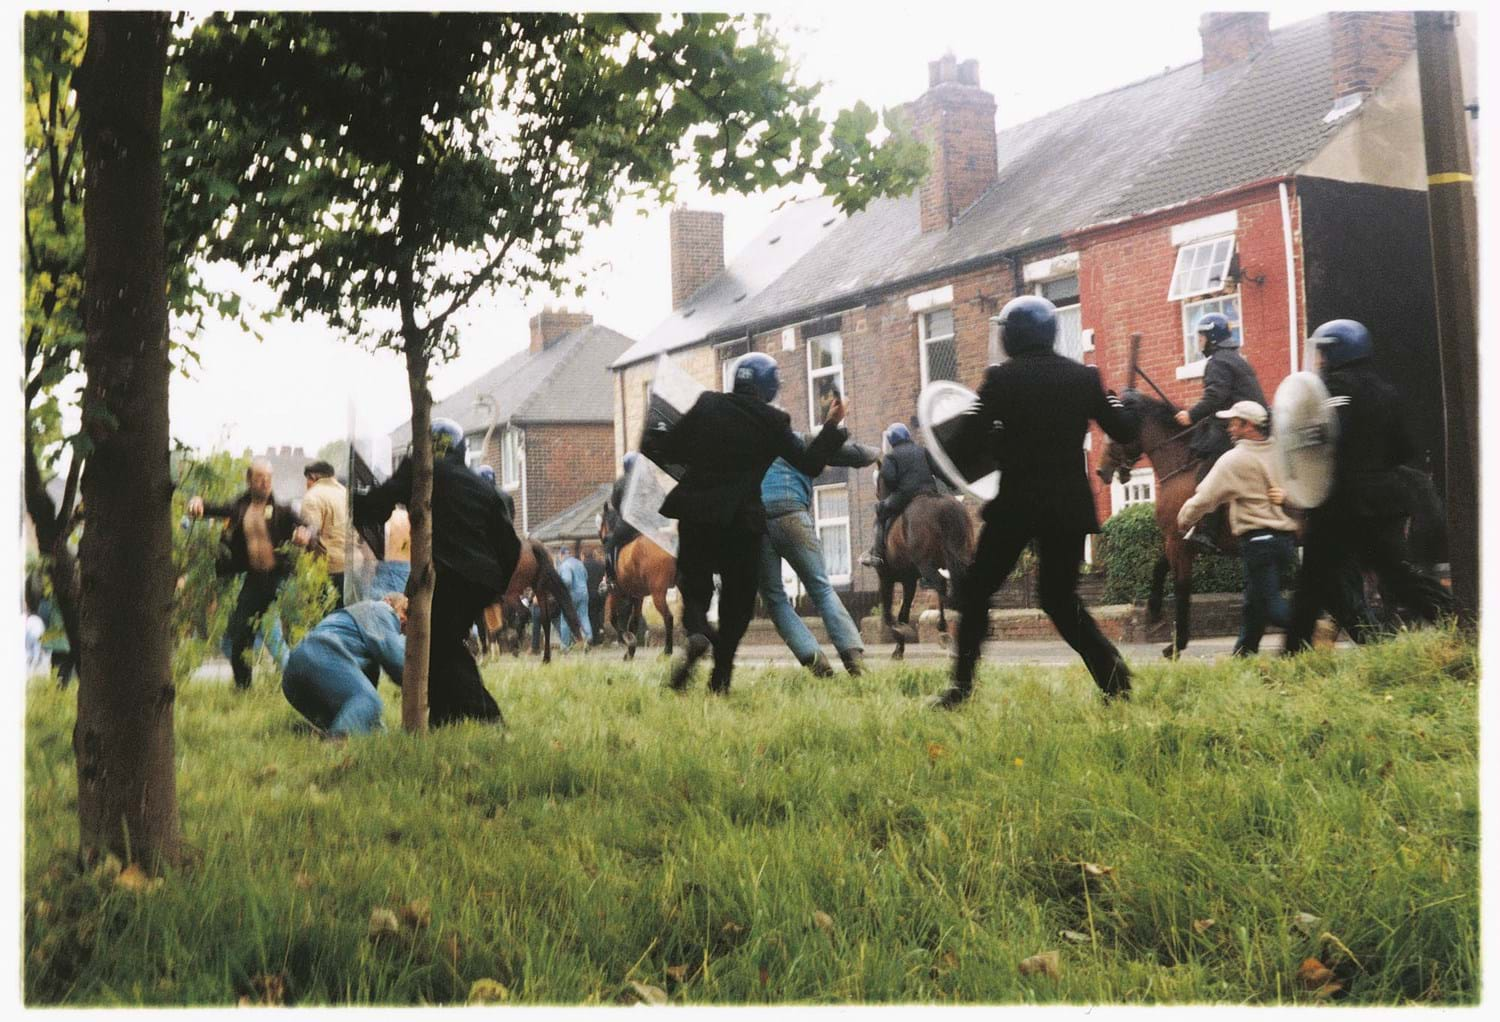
726 442
1227 380
907 472
1033 413
615 530
1363 518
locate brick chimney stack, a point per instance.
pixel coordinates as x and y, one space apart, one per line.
1367 47
697 251
955 118
1232 37
551 324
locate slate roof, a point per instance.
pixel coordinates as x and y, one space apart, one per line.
577 522
568 382
788 237
1165 140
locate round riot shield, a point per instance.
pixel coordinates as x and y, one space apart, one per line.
1304 435
947 411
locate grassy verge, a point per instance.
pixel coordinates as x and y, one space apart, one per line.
802 841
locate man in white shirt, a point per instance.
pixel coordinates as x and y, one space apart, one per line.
1247 479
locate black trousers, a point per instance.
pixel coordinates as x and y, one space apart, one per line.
1335 544
455 691
255 596
1058 557
733 553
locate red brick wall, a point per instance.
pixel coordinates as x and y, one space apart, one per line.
1230 37
1367 47
1124 276
956 119
549 325
697 238
564 464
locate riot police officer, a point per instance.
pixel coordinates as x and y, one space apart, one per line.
1362 520
487 473
474 551
1033 413
726 442
615 529
907 471
1227 380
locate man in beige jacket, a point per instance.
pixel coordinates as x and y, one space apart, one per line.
325 521
1248 480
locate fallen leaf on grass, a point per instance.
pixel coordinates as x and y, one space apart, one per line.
677 973
948 962
1313 973
1307 923
648 993
109 867
1048 963
302 880
383 923
1074 936
935 752
488 991
556 745
1202 926
823 921
732 928
1328 990
417 914
133 878
1093 869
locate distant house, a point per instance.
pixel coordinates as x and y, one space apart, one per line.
576 524
287 481
1279 180
548 413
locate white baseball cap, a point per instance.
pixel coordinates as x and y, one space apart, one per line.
1248 410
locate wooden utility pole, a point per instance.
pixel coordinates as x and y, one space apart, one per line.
1451 217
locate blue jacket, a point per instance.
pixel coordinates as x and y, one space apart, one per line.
785 489
366 634
575 576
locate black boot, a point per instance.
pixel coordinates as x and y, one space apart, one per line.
962 687
682 670
718 681
819 665
1202 535
854 661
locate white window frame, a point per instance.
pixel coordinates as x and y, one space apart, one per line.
1140 490
474 448
924 340
512 442
1214 267
813 375
820 521
1191 312
1066 313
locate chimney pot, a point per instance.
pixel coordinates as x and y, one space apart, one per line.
551 325
956 120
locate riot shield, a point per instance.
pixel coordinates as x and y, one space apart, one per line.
965 455
673 394
640 505
1304 435
369 465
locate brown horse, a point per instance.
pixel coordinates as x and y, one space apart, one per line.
934 534
642 569
1165 445
533 571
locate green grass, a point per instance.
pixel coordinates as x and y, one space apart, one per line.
621 833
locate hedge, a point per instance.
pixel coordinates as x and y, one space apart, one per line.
1128 548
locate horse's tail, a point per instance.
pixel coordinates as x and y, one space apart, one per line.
551 583
957 531
1427 532
1158 587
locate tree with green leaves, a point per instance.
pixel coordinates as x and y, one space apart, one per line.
381 171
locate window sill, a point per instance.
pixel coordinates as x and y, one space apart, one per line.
1193 370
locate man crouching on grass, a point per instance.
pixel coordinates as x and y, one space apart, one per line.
330 677
1247 479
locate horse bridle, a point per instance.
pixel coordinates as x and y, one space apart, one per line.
1146 452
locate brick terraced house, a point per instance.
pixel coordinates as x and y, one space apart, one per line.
1279 180
550 407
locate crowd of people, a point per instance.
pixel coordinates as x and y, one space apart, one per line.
743 507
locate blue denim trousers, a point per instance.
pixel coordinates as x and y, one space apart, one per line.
581 605
1267 557
324 684
794 538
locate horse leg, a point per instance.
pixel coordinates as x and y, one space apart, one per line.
887 597
660 599
1182 593
546 630
942 620
1158 588
903 619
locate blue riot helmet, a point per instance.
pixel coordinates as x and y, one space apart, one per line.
448 441
756 375
1341 341
487 474
897 434
1214 331
1028 323
629 462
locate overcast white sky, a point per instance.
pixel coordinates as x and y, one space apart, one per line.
292 388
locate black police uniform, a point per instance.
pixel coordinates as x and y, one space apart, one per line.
1227 379
726 442
1042 403
619 531
906 473
474 552
1363 520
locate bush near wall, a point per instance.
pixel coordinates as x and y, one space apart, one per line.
1129 546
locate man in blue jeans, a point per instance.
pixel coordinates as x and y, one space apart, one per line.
330 677
1247 478
575 577
792 535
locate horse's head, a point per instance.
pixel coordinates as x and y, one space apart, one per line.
1117 458
513 618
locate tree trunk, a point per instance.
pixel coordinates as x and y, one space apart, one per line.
419 612
52 529
123 740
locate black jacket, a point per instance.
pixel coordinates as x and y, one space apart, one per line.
471 533
1034 411
905 474
234 557
726 442
1373 442
1227 378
